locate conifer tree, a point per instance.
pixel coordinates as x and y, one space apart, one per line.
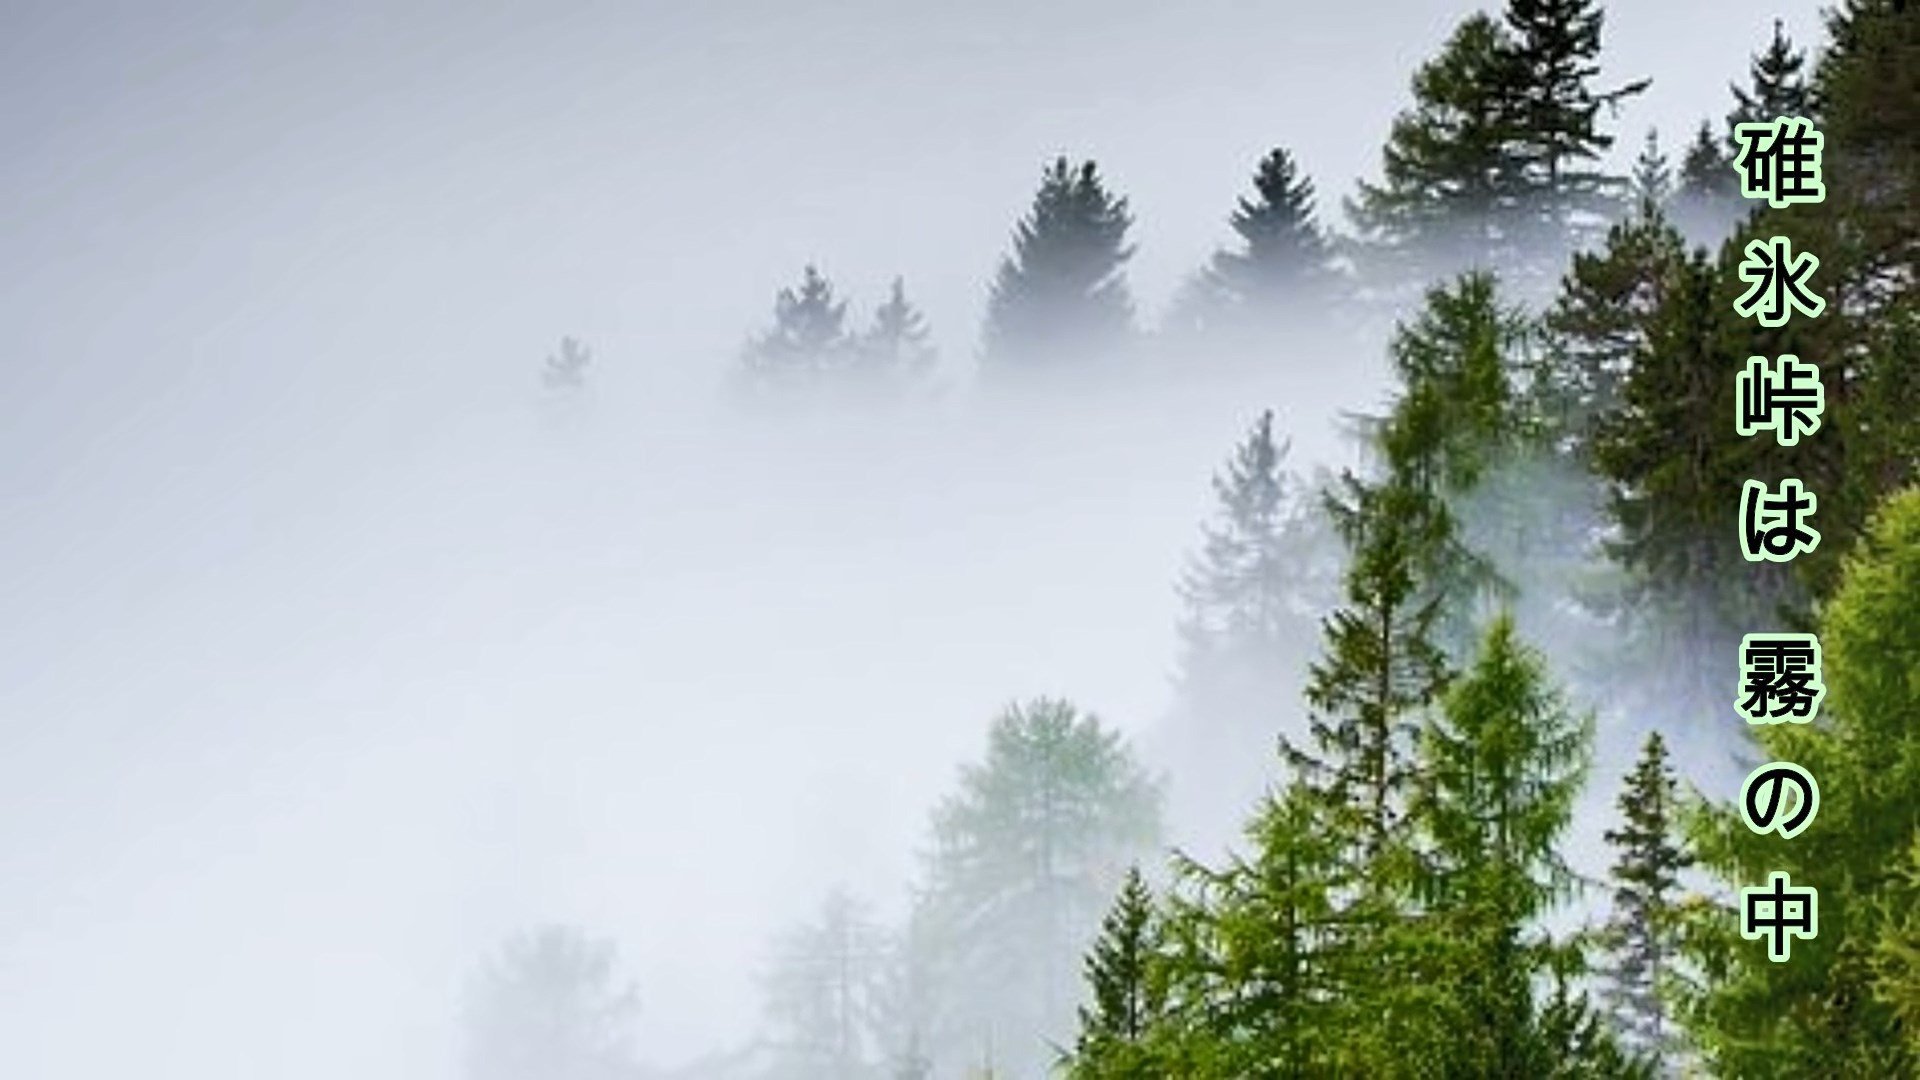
1832 1009
1499 772
551 1006
1652 175
1556 48
1706 201
809 333
1452 183
567 369
1777 87
823 995
1281 267
1026 856
1642 932
1061 295
1126 990
898 343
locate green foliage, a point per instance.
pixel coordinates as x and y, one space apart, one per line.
1061 295
1122 974
1642 932
1776 86
1026 855
1832 1009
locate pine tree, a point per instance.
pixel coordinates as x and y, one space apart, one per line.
1707 202
1642 933
567 369
551 1006
1831 1010
823 995
1652 175
899 342
809 333
1026 856
1777 86
1281 267
1250 597
1061 295
1499 772
1556 48
1127 999
1452 183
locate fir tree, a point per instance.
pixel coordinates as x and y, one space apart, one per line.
567 369
1833 1009
809 333
551 1006
899 342
1026 856
823 1001
1281 266
1642 933
1061 295
1706 201
1126 999
1556 48
1652 175
1777 86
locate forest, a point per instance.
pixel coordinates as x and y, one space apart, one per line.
1558 465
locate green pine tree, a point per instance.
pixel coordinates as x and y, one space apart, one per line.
1026 856
1776 87
1834 1008
1642 932
1652 181
1127 992
1061 295
1499 772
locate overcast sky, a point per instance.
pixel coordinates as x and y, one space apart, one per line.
324 658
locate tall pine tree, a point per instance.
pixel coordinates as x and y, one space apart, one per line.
1642 933
1061 296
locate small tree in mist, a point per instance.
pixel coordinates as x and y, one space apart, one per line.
567 369
1026 856
551 1006
1251 595
1706 200
1642 934
809 333
825 996
1061 295
898 343
1652 180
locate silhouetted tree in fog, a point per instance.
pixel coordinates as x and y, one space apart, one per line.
551 1006
1061 295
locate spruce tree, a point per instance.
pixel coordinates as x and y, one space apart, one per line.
1281 267
809 333
1642 932
1831 1009
898 343
1126 991
551 1005
1499 772
823 995
1026 856
1556 49
1652 181
1706 201
1776 85
1061 295
567 369
1452 180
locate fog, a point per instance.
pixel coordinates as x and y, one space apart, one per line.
333 646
